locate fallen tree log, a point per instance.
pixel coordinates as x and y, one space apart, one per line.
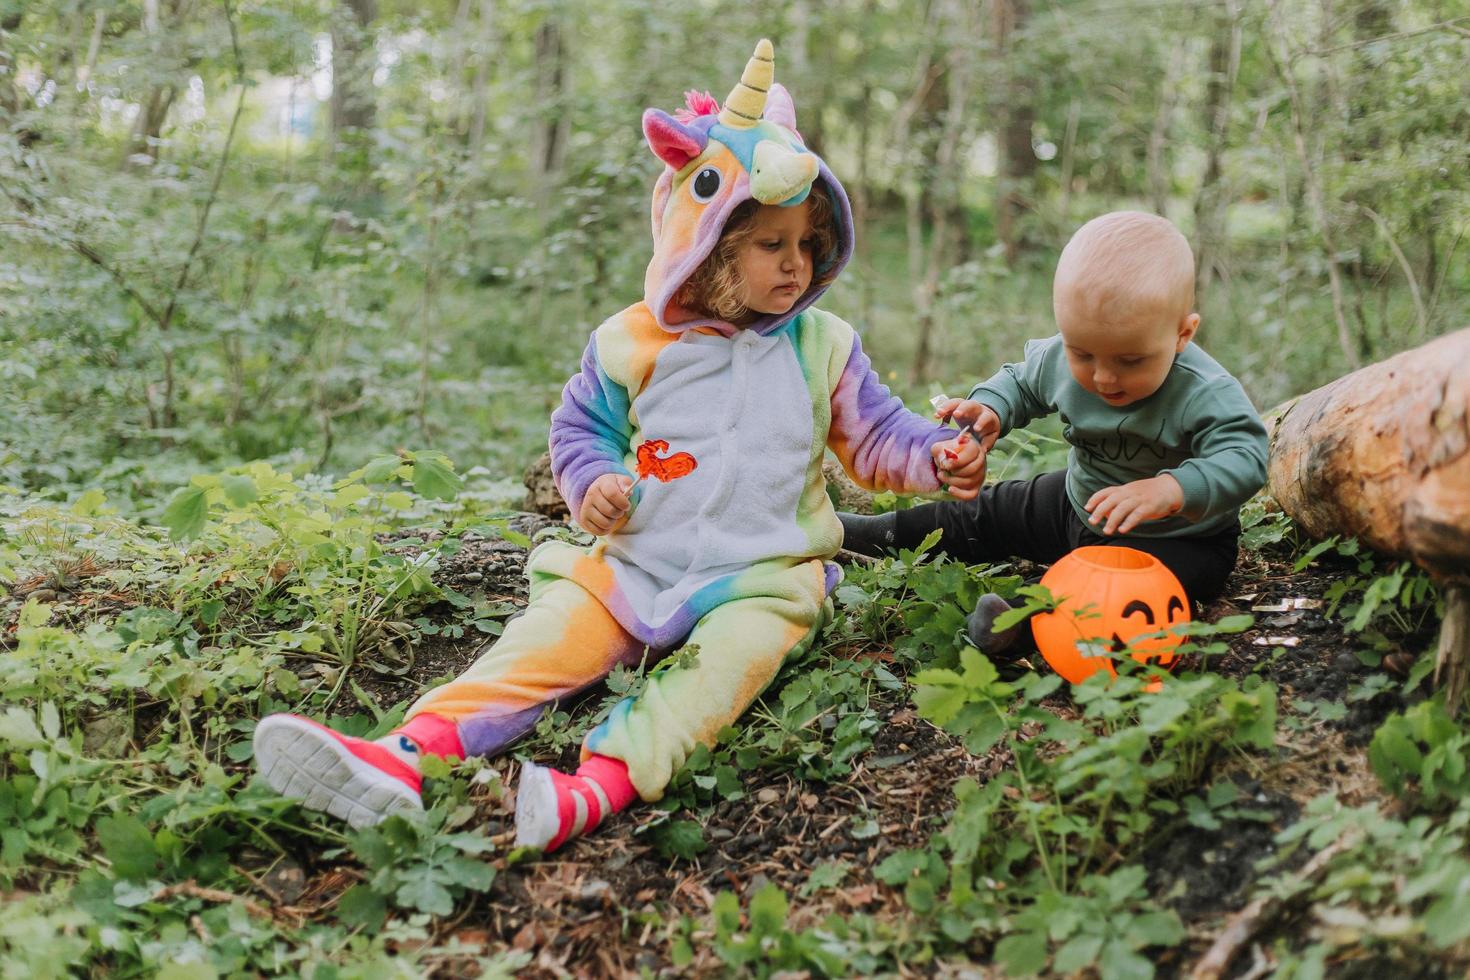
1383 455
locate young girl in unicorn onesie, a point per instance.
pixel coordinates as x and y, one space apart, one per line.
691 444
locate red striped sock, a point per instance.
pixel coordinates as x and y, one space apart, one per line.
553 807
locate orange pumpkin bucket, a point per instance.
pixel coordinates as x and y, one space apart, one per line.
1109 595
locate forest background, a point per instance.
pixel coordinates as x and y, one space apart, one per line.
308 231
289 288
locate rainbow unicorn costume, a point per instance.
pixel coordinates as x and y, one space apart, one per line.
725 553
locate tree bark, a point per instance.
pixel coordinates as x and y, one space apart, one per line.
1016 118
148 130
1383 455
1156 158
353 104
552 127
480 87
1308 157
1209 204
9 98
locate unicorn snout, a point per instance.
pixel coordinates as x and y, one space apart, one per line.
779 173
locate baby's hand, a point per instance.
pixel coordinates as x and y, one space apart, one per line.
963 411
1133 503
606 503
961 466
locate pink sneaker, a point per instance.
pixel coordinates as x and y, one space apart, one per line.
351 778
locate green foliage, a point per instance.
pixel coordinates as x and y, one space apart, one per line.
915 603
1392 886
272 315
416 866
1382 603
1425 750
758 943
1039 855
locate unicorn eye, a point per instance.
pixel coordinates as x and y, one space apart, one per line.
706 184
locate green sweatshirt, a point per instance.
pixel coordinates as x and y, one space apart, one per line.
1199 427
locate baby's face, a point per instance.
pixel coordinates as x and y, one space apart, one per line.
775 262
1125 360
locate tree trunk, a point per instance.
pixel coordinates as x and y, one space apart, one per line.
552 126
1016 117
1383 455
9 98
1308 156
1209 203
480 87
1156 158
148 130
353 62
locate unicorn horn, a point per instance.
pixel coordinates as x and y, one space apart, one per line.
748 99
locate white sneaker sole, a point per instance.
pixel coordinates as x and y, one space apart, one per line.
537 820
302 762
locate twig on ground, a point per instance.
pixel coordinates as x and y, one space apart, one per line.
1243 926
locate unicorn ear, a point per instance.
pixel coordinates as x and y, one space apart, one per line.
779 107
672 141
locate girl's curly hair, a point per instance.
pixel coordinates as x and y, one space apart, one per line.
715 287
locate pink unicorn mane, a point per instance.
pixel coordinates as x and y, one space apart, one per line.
696 104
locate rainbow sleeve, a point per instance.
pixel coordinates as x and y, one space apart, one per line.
881 444
590 432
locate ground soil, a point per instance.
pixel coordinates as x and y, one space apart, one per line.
598 907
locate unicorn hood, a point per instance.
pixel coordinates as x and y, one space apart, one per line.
716 160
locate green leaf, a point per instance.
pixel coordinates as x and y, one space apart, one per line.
50 720
469 873
379 469
239 490
1078 953
1393 754
186 513
89 503
128 845
900 866
1121 963
18 727
938 703
768 911
1235 624
920 895
433 478
425 894
828 874
1156 929
681 839
186 971
351 494
1023 954
362 908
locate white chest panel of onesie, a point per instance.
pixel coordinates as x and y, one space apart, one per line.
740 407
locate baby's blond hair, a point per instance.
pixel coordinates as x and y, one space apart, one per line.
1125 264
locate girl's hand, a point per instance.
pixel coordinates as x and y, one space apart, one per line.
963 411
1133 503
606 504
961 466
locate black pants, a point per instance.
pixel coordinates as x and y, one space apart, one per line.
1034 519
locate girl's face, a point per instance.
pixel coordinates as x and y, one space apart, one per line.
775 261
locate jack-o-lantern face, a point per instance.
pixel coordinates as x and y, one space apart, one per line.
1110 595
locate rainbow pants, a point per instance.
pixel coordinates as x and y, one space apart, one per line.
569 639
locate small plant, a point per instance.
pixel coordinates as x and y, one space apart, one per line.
1044 850
267 546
